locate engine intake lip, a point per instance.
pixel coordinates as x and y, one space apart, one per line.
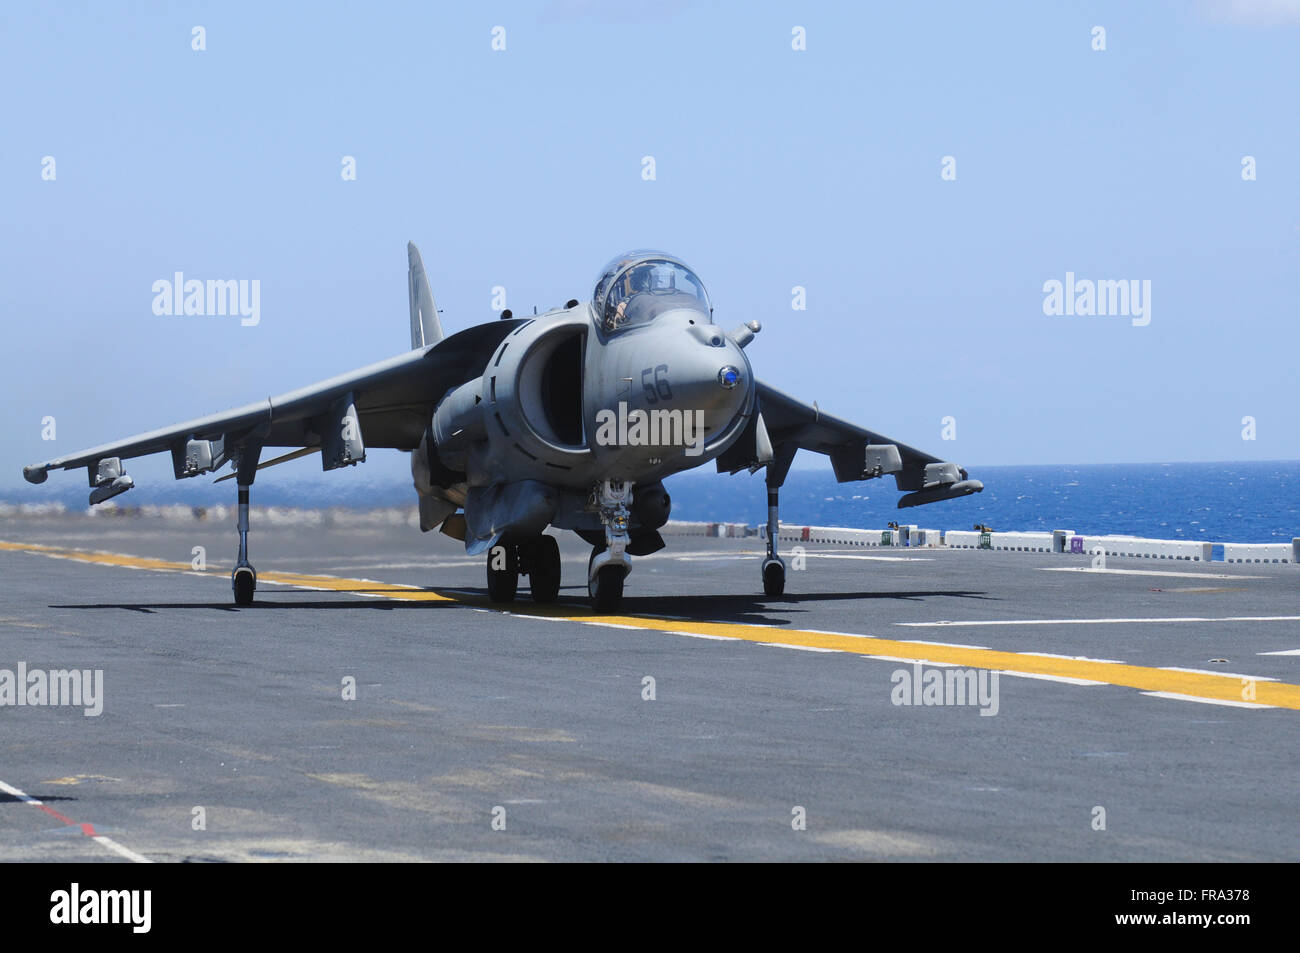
532 395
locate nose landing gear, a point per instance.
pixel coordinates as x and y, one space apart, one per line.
604 585
609 564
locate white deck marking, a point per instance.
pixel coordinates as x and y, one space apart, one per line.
1063 679
1077 658
1206 701
732 557
106 842
1206 671
1119 621
1144 572
912 661
847 635
951 645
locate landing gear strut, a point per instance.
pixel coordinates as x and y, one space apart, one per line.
610 564
244 579
773 566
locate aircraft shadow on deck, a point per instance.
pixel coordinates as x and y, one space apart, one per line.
746 607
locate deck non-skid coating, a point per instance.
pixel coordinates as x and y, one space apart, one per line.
1256 691
1181 729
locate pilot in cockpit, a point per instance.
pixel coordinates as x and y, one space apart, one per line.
637 292
634 282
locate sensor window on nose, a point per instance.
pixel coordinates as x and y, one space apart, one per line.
728 377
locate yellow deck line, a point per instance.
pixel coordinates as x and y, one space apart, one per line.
1215 687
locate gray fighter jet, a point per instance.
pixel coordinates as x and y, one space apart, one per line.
568 419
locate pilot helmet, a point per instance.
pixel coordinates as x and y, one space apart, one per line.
638 279
663 277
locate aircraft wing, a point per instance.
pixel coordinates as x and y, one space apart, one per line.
389 405
857 453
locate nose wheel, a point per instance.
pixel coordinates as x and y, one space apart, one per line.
605 585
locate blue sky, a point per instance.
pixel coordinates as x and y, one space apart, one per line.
774 168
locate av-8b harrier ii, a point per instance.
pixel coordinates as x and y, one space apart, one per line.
569 419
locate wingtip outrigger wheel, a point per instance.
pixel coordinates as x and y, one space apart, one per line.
244 582
773 565
773 578
244 579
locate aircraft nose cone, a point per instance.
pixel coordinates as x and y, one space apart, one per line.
713 380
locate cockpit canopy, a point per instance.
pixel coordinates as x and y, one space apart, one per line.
638 286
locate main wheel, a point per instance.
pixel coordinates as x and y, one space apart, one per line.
544 574
502 572
244 583
773 580
606 590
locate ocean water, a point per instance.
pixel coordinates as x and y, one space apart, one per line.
1256 502
1215 502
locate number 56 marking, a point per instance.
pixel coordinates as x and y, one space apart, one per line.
656 389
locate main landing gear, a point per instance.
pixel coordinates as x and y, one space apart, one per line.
537 557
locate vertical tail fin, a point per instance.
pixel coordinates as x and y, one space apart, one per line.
425 327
